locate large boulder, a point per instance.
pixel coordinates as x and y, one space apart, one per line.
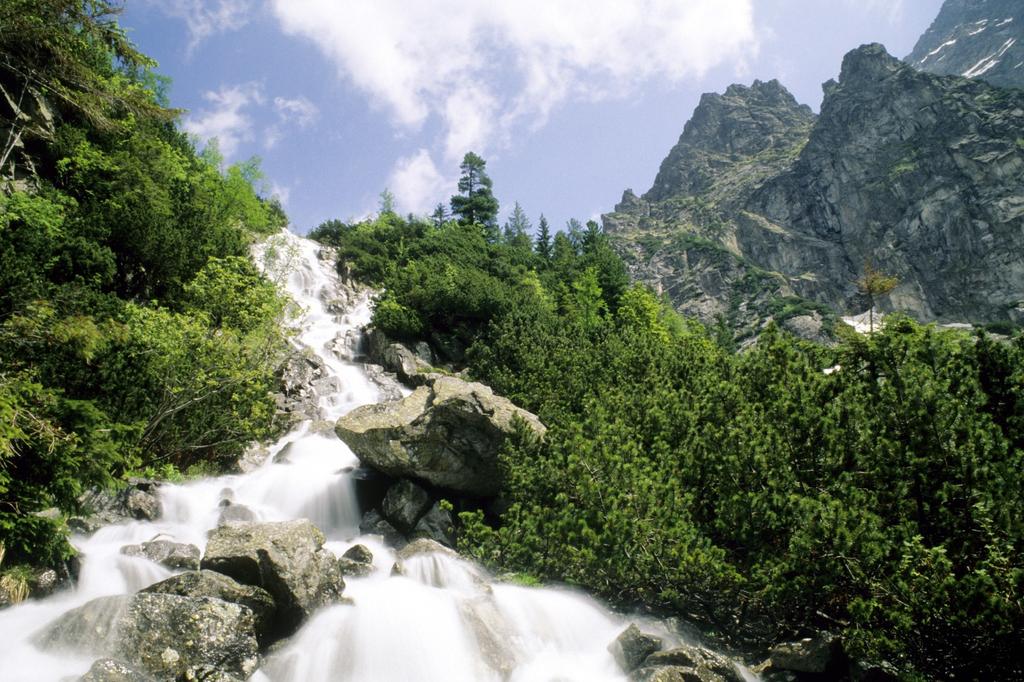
632 647
167 636
447 434
218 586
173 555
404 504
286 559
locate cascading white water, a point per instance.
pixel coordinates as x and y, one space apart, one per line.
445 619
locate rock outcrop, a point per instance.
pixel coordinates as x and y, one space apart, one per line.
447 434
975 39
167 636
763 211
286 559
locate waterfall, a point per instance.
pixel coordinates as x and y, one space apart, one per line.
444 619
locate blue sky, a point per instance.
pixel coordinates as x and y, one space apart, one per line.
570 101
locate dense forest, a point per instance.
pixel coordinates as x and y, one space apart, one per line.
871 488
136 336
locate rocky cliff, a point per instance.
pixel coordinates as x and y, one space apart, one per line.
977 39
764 211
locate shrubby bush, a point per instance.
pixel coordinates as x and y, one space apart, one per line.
753 493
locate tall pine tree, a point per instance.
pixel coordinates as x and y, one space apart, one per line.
543 247
475 203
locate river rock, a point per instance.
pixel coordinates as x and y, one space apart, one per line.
219 586
437 525
404 504
357 562
165 635
286 559
632 647
140 500
112 670
373 523
236 513
809 655
708 665
494 637
448 434
166 553
423 546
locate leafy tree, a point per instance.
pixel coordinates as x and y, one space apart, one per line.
475 204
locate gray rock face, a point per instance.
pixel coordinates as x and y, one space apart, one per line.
977 39
286 559
447 434
218 586
631 648
743 123
112 670
166 553
920 175
404 504
437 525
165 635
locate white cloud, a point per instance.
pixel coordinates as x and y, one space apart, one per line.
205 18
300 110
486 68
227 119
417 184
282 192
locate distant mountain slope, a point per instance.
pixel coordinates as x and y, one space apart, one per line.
977 39
762 208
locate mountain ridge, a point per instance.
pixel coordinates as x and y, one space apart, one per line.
916 173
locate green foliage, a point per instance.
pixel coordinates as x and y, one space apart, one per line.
753 493
475 204
134 333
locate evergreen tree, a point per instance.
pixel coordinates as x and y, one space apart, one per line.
387 202
543 247
475 203
517 224
440 215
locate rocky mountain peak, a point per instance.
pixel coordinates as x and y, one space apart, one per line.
868 63
727 128
976 39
